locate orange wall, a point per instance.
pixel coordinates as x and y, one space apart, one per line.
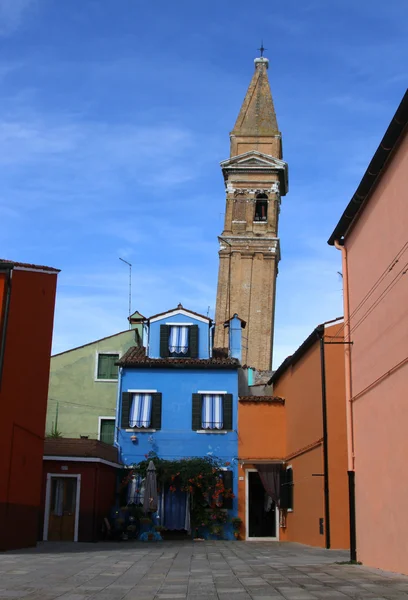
379 385
303 401
23 400
337 438
262 430
301 387
302 525
261 434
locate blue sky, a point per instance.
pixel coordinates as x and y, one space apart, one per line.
115 114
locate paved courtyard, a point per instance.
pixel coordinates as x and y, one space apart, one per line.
192 570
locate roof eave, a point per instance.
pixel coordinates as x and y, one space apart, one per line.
389 143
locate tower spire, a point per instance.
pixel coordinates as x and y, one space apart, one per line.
257 117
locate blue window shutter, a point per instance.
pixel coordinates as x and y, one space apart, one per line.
164 341
193 341
156 418
196 412
126 400
227 402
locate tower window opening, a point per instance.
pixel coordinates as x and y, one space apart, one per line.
261 208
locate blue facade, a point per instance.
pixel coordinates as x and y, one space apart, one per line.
203 337
177 438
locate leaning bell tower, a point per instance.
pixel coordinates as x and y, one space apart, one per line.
255 179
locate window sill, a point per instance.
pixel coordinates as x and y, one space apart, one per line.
140 430
216 431
262 222
107 380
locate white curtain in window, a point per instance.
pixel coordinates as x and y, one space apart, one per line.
212 414
178 341
141 410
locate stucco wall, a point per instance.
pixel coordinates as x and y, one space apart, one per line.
176 439
262 430
337 437
23 401
80 397
379 385
97 495
301 386
203 335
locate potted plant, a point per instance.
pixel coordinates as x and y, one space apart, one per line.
236 522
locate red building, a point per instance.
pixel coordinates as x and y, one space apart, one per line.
27 299
78 488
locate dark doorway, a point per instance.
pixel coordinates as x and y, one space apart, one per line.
261 509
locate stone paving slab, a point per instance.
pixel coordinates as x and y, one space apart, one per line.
192 571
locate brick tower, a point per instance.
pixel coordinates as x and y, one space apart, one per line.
255 179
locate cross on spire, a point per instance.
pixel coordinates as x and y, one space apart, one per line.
262 49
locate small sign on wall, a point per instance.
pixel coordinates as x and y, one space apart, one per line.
241 478
64 468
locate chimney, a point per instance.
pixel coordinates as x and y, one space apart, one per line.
235 325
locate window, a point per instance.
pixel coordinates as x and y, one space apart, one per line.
261 208
287 488
107 370
212 411
179 341
141 409
107 430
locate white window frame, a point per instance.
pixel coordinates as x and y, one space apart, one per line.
141 429
211 431
76 476
100 419
97 353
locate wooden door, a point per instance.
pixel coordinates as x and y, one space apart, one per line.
61 524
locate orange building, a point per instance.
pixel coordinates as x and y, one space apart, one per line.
295 441
27 298
372 236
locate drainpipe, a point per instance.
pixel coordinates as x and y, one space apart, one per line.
320 334
349 406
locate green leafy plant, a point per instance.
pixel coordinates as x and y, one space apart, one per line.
198 476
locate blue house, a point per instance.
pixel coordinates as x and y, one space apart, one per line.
179 399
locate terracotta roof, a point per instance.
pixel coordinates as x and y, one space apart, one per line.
180 307
80 448
136 357
29 266
269 399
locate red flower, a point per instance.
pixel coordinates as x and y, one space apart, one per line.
227 464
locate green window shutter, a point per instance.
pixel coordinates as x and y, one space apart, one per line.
112 368
227 477
193 341
102 366
126 400
196 412
227 404
156 418
107 431
164 340
106 366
